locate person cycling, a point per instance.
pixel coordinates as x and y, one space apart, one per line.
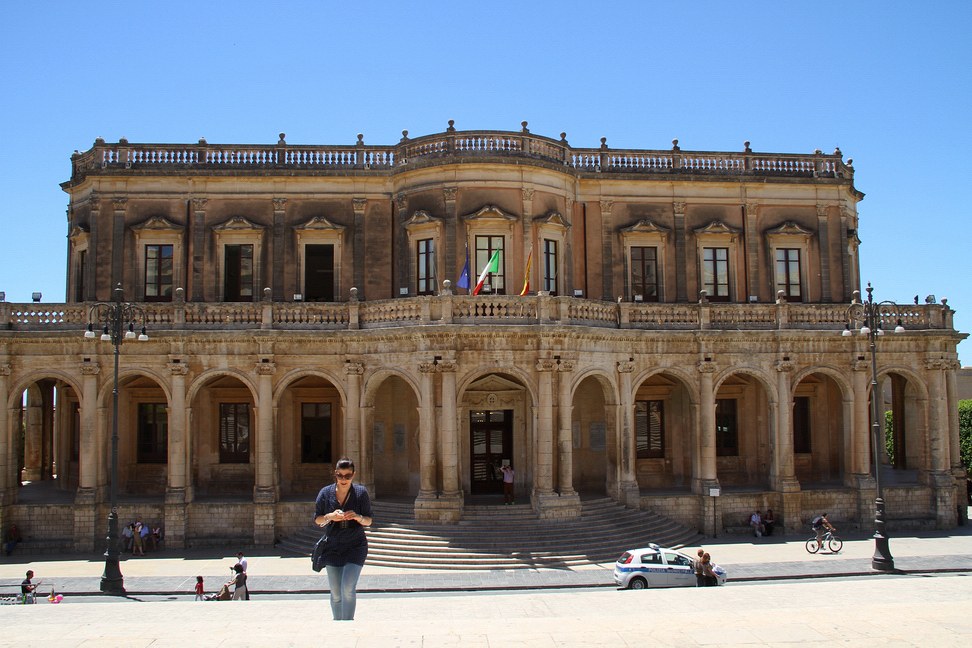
820 527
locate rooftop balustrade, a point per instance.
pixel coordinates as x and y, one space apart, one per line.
498 146
478 310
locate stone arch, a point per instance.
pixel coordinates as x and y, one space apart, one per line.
293 376
207 376
746 426
391 422
666 426
821 425
595 413
523 377
905 446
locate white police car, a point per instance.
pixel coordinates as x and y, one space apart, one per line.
654 566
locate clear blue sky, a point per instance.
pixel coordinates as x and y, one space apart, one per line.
887 82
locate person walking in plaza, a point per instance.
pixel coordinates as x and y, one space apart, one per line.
200 589
137 544
710 577
699 571
242 560
508 484
239 580
346 507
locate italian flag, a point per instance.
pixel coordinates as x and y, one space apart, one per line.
492 266
526 275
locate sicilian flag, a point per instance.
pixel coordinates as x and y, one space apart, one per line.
526 276
492 266
464 275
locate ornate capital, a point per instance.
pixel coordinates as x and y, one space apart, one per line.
707 366
625 366
450 193
199 204
822 209
180 369
751 208
784 366
546 364
5 369
86 368
279 204
119 202
565 365
606 206
570 208
265 368
679 207
527 193
401 201
936 364
861 365
447 365
427 367
359 205
353 368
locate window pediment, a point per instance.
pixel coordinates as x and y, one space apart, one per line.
422 217
489 213
493 383
239 224
552 219
645 227
717 228
157 224
788 229
79 235
319 224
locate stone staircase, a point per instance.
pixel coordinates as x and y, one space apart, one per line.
507 537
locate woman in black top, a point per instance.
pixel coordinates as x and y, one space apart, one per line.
347 508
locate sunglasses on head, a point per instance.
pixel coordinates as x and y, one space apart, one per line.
338 475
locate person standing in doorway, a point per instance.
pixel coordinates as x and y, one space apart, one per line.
347 508
508 484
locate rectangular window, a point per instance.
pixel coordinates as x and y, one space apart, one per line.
153 433
315 433
788 273
158 273
319 273
425 266
82 273
727 436
234 432
715 273
550 266
650 429
238 273
801 424
485 247
644 274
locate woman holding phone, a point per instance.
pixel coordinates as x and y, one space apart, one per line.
347 508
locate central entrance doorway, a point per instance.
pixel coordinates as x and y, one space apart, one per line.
491 436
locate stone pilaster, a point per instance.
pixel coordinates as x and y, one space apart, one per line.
7 452
264 491
451 498
197 251
278 248
176 495
428 493
681 253
607 250
940 477
359 252
629 493
117 242
752 249
823 241
454 244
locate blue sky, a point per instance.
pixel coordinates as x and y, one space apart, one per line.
887 82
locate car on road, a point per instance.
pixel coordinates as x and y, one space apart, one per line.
654 566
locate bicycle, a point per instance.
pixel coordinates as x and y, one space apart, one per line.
829 540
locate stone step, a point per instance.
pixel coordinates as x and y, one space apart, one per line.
506 537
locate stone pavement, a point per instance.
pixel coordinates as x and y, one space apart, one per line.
745 558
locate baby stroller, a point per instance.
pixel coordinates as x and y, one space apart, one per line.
222 595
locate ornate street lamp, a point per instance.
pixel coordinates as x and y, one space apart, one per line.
872 315
116 316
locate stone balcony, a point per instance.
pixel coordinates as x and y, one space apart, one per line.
479 310
451 146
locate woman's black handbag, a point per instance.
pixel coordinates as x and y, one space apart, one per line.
317 558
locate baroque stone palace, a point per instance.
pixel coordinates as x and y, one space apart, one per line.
680 336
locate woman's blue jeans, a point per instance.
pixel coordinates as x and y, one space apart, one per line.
343 582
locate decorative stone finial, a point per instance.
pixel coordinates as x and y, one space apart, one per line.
99 141
354 294
603 142
360 138
850 162
675 145
452 123
703 297
404 135
123 140
283 138
817 152
524 125
267 294
837 151
746 144
202 141
563 137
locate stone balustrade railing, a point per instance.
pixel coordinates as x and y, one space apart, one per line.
497 145
479 310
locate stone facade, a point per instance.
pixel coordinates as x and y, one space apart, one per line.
681 332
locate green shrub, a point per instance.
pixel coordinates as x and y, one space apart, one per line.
965 433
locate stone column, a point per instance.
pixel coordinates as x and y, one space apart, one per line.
278 253
7 451
861 454
86 497
823 240
543 455
454 244
628 492
955 452
176 520
565 437
39 398
782 471
197 249
264 490
358 249
427 481
752 250
706 476
607 252
681 253
940 474
451 499
352 411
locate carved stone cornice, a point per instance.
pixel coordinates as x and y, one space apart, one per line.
86 368
707 366
625 366
353 368
264 368
199 204
450 193
359 204
784 366
279 204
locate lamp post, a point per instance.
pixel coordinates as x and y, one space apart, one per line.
114 316
872 315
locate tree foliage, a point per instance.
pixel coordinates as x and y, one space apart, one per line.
965 433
